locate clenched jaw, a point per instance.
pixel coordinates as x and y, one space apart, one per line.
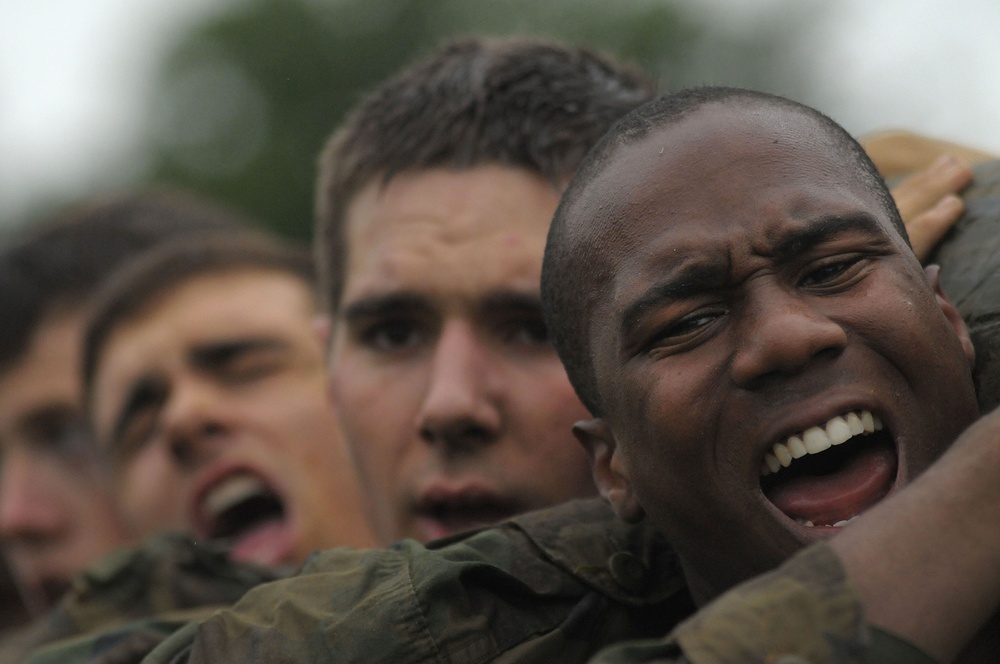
828 474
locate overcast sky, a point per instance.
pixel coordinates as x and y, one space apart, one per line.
73 74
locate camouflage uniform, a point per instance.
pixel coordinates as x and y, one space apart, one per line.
551 586
168 582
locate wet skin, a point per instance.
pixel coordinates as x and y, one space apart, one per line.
758 289
456 406
218 390
57 512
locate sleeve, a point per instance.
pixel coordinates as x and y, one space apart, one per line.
805 611
133 598
346 600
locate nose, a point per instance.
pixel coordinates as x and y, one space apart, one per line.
29 512
460 410
781 334
194 421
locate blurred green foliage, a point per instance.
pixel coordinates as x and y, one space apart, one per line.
247 100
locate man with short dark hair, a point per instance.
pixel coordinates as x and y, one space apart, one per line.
433 202
767 360
56 512
204 381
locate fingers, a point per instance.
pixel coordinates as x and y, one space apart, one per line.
928 201
927 228
901 153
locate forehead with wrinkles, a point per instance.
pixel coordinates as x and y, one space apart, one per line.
608 213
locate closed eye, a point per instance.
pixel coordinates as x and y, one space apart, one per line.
251 364
238 361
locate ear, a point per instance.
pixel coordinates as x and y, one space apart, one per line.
951 313
610 474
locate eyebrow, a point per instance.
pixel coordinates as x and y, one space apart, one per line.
512 301
802 239
682 284
216 354
148 391
693 279
377 306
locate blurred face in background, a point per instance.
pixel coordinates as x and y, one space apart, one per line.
57 510
212 401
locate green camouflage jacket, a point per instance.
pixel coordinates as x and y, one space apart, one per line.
552 586
170 581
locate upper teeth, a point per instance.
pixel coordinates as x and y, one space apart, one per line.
837 430
232 491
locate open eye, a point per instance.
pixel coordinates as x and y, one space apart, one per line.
61 431
391 335
526 331
833 272
687 329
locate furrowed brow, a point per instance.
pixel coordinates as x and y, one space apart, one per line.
512 301
799 240
683 284
147 392
378 306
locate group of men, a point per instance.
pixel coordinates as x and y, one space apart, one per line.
755 361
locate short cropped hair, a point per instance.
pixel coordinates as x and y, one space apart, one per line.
57 264
567 293
522 103
130 292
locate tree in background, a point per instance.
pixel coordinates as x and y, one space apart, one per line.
247 99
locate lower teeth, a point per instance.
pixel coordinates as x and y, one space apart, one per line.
839 524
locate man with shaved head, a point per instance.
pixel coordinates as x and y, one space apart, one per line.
732 291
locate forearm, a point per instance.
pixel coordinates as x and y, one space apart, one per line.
926 562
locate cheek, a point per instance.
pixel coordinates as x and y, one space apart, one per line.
669 409
152 494
377 410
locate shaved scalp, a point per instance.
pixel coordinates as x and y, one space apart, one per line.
572 271
523 103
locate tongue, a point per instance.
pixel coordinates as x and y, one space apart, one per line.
268 543
826 499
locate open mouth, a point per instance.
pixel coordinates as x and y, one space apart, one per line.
242 508
828 475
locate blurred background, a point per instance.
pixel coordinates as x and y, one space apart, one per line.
234 98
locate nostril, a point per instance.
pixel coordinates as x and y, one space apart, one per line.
458 436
